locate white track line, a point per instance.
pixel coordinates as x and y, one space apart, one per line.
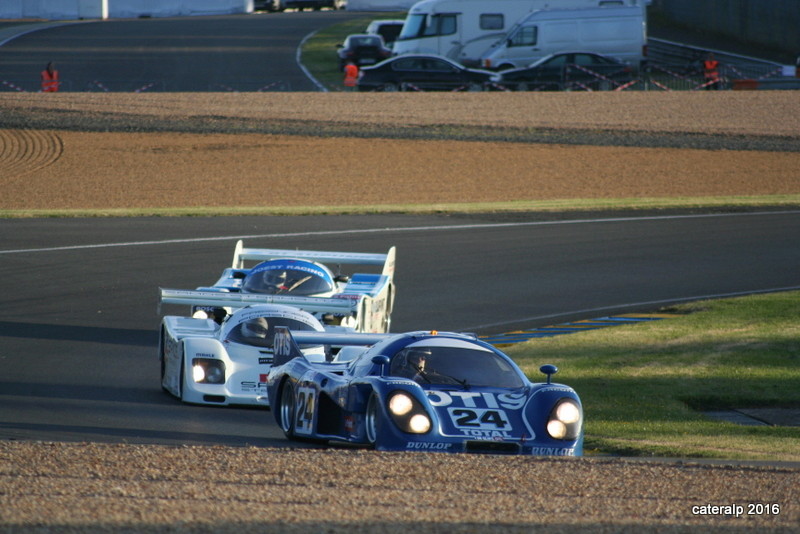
455 227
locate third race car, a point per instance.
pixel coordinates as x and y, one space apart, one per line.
301 278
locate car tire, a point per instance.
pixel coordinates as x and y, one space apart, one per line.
287 410
390 88
523 86
162 359
474 87
183 377
371 420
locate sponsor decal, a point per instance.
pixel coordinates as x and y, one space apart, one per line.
265 361
471 399
415 445
289 265
251 386
347 296
205 355
552 451
487 435
350 424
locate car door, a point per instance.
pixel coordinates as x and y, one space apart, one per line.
407 72
442 74
550 74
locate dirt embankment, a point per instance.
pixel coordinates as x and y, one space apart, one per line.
87 151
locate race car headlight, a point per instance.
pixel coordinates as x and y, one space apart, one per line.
408 414
400 404
206 371
565 420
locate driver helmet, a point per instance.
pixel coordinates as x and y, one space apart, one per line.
275 278
255 328
416 358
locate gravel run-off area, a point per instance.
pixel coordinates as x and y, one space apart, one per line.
106 151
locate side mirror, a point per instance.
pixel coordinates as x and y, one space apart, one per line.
549 370
381 361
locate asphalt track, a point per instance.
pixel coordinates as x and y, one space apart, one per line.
223 53
78 325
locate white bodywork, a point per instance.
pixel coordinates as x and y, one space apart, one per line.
186 343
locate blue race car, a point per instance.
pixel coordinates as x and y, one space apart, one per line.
431 391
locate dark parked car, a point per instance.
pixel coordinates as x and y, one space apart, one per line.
420 73
568 70
362 49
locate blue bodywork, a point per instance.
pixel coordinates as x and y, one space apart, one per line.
470 397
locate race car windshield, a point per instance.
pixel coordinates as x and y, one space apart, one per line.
286 281
260 331
454 366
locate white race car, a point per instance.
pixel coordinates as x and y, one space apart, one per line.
299 278
207 362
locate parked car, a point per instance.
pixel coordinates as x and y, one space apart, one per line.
316 5
388 29
362 49
421 72
567 70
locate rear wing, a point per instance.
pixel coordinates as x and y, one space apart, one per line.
286 344
224 299
241 254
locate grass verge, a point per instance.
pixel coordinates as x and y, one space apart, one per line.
576 205
644 386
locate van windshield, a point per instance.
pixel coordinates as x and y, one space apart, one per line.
421 25
412 27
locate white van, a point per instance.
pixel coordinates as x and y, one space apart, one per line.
619 32
463 30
